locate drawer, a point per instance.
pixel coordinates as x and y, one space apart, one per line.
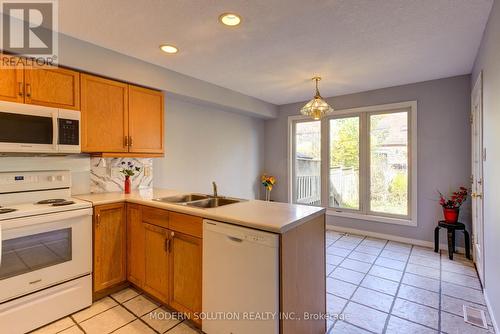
186 224
155 216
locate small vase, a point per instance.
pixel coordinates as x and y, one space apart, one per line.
268 195
451 215
127 184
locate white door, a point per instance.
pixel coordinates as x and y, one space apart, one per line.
477 174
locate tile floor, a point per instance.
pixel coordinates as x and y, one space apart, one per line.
380 286
125 312
374 285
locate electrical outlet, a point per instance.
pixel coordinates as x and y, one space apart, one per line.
147 170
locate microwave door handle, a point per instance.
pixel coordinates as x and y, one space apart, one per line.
55 129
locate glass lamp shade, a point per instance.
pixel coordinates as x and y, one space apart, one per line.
316 108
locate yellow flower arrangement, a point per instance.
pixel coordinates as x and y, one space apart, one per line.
268 181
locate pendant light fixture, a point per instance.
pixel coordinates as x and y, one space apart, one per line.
317 107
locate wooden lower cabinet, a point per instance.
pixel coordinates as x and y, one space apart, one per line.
135 245
156 262
110 246
185 273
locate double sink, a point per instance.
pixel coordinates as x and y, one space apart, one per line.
198 200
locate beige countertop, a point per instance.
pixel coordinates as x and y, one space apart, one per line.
273 217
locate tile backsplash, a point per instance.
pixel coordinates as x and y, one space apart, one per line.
105 174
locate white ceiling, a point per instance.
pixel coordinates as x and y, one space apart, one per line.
356 45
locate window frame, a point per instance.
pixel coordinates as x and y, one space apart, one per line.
364 212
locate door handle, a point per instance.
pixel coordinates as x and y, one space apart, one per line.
21 90
167 245
130 141
28 90
125 141
98 219
476 195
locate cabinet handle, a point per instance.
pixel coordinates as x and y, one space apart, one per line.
125 141
167 245
21 90
98 219
130 141
28 90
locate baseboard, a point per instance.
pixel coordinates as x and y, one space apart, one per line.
423 243
492 316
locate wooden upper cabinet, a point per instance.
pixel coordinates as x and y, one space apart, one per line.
12 81
185 272
156 268
145 120
110 249
104 114
52 87
135 245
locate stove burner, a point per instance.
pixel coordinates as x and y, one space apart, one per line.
63 203
51 201
7 210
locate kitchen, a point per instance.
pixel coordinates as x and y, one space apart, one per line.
191 119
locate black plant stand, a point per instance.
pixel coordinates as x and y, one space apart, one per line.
452 227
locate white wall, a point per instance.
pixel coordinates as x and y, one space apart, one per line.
204 144
488 61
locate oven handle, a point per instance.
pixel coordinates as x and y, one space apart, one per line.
46 218
55 129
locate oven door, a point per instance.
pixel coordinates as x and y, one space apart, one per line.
41 251
28 128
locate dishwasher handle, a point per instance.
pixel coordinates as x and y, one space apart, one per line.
235 239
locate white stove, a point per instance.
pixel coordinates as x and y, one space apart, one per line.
45 250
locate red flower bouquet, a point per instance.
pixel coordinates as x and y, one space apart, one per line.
451 206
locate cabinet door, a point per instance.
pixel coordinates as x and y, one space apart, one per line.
135 245
11 80
145 120
104 115
185 272
156 262
52 87
110 246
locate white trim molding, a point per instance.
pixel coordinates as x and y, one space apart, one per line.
492 315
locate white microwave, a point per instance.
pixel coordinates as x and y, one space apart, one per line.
27 128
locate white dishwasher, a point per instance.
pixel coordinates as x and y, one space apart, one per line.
240 280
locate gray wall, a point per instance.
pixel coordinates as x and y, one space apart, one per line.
204 144
443 147
488 61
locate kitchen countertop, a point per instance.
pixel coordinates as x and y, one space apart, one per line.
273 217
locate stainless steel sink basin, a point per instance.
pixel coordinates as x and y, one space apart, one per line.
213 202
182 198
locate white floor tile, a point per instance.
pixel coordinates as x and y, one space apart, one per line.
394 255
345 244
423 271
425 261
418 295
365 317
390 263
368 249
456 306
340 288
390 274
107 321
421 282
135 327
334 304
459 279
364 257
160 319
183 328
462 292
347 275
400 326
417 313
334 259
124 295
96 308
56 326
380 284
452 324
372 298
342 327
333 250
356 265
459 269
140 305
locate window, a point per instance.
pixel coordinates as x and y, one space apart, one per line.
359 163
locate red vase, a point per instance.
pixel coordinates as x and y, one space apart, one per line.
127 184
451 215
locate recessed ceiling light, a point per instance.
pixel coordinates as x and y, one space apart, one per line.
230 19
169 48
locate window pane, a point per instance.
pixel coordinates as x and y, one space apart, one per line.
344 163
308 163
389 163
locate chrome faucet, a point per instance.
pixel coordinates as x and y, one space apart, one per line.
214 185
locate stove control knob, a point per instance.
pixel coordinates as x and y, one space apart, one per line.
60 177
51 178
